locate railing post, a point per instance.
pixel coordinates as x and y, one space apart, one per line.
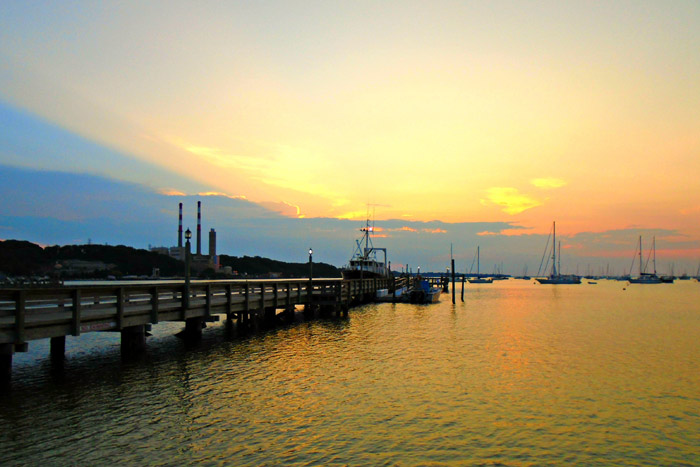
154 305
288 302
120 308
21 301
75 323
207 309
262 297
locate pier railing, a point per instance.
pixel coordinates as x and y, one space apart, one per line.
34 313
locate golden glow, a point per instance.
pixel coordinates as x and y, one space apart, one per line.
464 113
511 200
548 182
171 192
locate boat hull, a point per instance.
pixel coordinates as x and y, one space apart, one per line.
480 281
558 280
350 274
645 280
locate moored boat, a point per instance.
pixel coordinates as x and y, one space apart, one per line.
423 293
646 277
364 264
478 279
555 277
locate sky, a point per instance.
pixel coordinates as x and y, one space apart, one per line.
464 122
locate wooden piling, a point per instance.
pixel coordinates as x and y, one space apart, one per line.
58 349
6 351
193 328
453 281
133 340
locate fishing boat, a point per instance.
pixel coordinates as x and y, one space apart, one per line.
422 292
554 276
645 277
364 264
478 279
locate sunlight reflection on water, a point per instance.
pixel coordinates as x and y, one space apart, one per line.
519 374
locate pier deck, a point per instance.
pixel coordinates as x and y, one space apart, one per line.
28 314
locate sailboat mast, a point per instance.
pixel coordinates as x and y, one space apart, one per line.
554 248
653 245
367 238
640 256
559 257
477 261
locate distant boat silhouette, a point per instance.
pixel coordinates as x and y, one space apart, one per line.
554 276
646 277
478 279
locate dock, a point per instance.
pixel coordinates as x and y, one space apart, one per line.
32 313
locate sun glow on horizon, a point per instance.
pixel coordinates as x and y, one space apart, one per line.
461 113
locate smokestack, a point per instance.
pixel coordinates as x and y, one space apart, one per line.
179 230
199 228
212 243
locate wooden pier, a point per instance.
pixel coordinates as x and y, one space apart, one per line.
28 314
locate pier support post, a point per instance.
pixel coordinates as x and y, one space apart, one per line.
133 340
309 311
193 328
6 351
270 317
58 349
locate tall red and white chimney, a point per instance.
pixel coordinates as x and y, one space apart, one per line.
199 228
179 230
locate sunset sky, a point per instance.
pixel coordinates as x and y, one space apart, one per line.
509 114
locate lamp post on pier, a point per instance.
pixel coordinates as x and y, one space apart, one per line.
311 263
310 286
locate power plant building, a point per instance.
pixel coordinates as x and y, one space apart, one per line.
199 261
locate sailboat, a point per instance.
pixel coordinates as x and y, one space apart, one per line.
645 277
554 276
478 279
525 276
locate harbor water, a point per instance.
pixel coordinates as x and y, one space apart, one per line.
517 374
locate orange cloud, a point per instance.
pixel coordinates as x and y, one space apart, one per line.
284 208
405 228
171 192
435 231
576 246
218 193
486 232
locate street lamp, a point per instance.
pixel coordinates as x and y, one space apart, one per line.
310 287
188 236
311 262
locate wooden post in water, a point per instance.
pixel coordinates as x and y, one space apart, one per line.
453 281
58 349
462 288
6 351
133 340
